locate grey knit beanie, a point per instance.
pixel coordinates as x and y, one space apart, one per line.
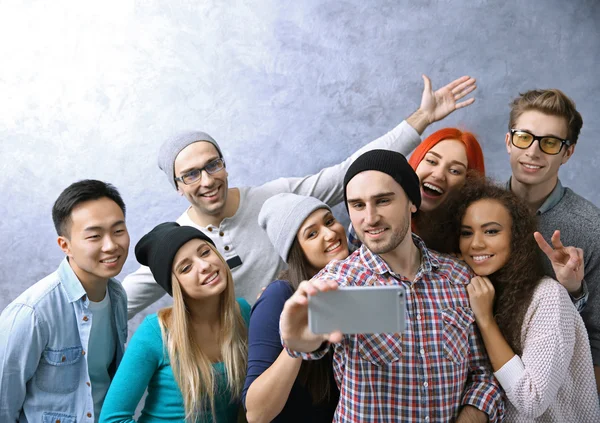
173 146
282 215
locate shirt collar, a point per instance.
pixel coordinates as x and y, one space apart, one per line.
552 200
378 265
70 282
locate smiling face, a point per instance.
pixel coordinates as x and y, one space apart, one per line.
485 236
199 270
442 171
322 239
379 210
531 166
209 195
98 241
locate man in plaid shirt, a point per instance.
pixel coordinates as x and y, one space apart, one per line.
437 371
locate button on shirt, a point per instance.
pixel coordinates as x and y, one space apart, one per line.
431 370
44 336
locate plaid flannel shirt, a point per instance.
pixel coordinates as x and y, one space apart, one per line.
426 374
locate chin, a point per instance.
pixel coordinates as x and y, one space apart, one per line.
481 270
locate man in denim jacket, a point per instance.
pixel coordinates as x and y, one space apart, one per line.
63 338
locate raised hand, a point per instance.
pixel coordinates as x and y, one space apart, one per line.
293 323
567 262
439 104
481 297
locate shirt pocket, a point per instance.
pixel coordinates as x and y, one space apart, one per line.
457 327
380 349
58 418
59 370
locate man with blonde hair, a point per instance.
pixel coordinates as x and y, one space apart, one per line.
543 131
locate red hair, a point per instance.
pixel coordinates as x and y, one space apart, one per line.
472 147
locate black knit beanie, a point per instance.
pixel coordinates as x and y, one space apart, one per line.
158 248
391 163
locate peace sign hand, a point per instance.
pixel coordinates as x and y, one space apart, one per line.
567 262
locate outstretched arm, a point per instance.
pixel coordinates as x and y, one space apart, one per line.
327 185
142 290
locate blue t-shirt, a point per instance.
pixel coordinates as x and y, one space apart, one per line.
264 346
146 364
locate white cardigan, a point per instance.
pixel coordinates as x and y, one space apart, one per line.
553 381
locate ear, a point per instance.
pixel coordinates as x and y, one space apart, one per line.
413 208
64 245
507 142
568 153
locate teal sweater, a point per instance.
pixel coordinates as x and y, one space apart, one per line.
146 365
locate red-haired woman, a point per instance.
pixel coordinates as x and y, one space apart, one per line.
441 162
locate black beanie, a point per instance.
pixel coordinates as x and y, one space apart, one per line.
391 163
158 248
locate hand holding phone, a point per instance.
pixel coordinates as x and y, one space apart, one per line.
293 324
358 309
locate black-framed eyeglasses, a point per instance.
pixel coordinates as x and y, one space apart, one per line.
549 145
195 175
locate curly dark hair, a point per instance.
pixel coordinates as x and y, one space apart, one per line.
516 281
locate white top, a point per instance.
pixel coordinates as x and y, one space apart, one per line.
553 381
101 350
240 239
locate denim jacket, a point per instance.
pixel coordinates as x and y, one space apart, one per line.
44 337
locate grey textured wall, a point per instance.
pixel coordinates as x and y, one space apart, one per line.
90 89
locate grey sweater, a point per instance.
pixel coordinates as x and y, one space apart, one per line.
579 223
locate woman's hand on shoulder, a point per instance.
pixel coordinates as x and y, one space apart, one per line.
481 297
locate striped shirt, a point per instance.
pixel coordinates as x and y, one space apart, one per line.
431 370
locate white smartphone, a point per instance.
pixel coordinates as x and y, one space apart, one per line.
358 309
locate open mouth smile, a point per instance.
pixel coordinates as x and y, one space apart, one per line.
432 190
212 278
531 166
333 247
209 194
482 258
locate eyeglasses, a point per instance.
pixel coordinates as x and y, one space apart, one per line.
195 175
549 145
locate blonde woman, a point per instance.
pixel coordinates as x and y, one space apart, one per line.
191 357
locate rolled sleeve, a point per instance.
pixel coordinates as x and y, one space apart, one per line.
482 390
315 355
581 301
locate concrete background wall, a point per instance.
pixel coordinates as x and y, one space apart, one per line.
90 90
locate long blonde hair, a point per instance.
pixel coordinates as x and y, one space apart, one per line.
191 367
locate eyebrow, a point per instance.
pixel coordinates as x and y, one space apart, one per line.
485 225
373 197
99 228
452 162
325 216
189 169
183 260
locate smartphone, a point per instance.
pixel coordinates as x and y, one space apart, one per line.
358 309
